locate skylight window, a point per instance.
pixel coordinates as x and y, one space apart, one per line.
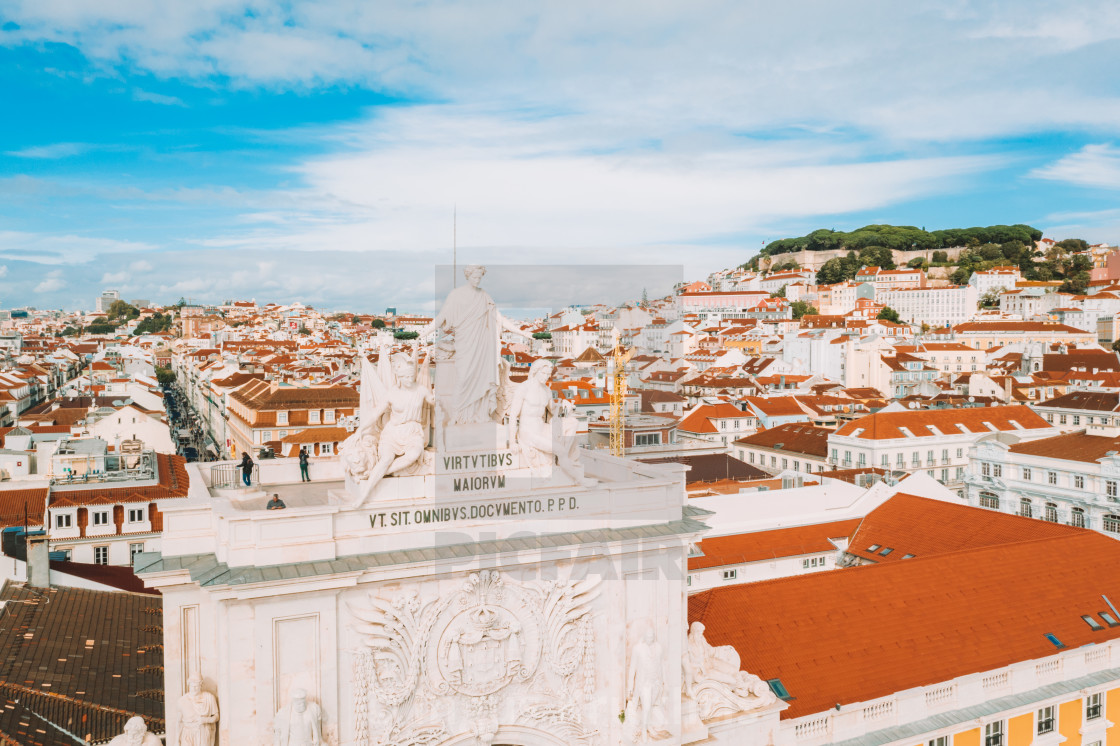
873 548
1054 641
1109 619
886 551
1093 623
779 689
907 556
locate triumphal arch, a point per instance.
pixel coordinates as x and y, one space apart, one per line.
463 574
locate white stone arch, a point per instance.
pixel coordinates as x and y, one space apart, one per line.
510 735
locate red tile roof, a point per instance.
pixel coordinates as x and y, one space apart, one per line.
13 503
885 425
795 437
173 482
1077 446
860 633
903 524
700 420
765 545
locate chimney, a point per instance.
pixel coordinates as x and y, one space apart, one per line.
38 560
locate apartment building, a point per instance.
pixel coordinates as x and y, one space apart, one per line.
265 413
996 278
936 442
984 335
954 304
891 279
104 508
800 447
1073 478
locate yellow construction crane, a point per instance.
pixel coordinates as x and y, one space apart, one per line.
618 396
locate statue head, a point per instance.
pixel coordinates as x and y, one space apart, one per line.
697 629
540 370
299 700
194 683
404 368
134 730
474 274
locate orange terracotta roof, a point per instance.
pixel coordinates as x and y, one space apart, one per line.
884 425
318 435
902 524
700 421
173 482
856 634
794 437
13 503
1077 446
766 545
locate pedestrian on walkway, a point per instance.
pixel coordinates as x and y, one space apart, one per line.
247 469
303 461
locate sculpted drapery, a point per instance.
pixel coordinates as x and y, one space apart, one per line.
473 316
470 315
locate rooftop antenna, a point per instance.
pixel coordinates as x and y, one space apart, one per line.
455 246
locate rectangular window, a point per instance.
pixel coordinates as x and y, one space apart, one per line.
1061 419
989 501
282 417
1051 477
939 741
328 416
944 475
1110 488
135 515
993 734
997 470
1077 518
1077 419
1046 720
313 416
730 574
1026 474
1079 482
785 464
1093 706
135 549
986 470
960 453
101 518
101 555
62 520
752 456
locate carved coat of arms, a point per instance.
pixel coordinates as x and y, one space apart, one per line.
494 652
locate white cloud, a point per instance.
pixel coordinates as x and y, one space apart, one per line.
1092 166
157 98
51 152
51 282
52 248
3 270
945 72
114 278
141 266
557 182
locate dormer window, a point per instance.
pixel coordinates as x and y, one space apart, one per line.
282 417
313 416
328 416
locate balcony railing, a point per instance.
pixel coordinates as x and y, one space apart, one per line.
229 476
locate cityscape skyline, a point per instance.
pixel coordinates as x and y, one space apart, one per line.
220 152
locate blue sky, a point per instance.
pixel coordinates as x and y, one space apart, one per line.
315 151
